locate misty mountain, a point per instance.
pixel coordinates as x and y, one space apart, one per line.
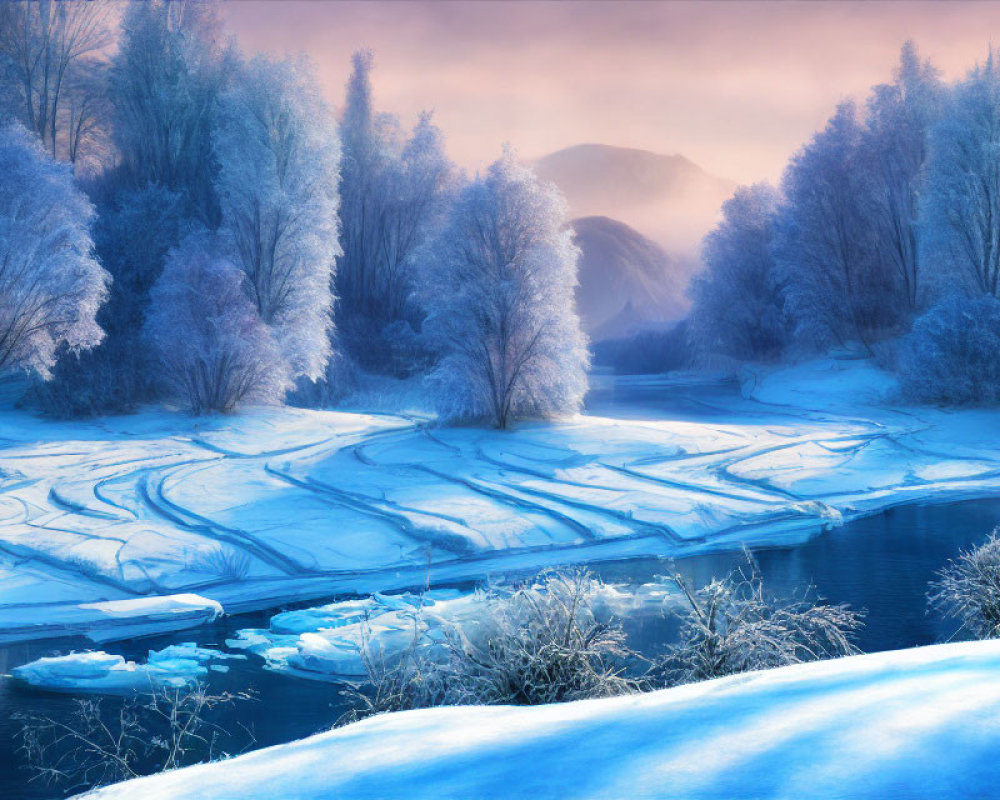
627 282
668 199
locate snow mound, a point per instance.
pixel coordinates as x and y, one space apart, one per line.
914 724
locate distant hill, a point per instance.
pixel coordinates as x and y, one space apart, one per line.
627 282
667 198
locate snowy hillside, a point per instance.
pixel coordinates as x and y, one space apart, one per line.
903 725
277 504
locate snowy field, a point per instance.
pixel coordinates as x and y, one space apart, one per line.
157 521
921 723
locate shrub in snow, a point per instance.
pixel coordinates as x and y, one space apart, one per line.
543 643
214 350
734 625
399 682
968 589
50 284
498 287
952 355
109 740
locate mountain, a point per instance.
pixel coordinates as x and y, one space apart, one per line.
668 199
627 282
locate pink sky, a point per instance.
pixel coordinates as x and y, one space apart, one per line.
735 86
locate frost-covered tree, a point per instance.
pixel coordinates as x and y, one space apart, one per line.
900 115
837 289
165 79
961 207
50 284
394 193
362 162
278 157
498 286
132 235
737 300
46 46
213 349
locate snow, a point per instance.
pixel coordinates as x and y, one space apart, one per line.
920 723
279 505
96 671
109 620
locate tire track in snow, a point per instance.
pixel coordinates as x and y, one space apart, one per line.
388 511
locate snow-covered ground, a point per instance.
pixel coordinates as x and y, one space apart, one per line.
903 725
277 504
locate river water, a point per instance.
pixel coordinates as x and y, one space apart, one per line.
881 564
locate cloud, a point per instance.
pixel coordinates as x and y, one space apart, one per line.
735 86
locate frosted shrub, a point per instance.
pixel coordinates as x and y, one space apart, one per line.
408 680
968 589
546 642
952 355
108 740
213 349
734 625
543 643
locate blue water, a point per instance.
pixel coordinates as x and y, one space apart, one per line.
881 564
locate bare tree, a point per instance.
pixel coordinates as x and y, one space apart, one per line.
394 194
737 310
87 116
44 41
900 115
278 157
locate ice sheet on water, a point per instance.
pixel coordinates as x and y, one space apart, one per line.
175 666
326 642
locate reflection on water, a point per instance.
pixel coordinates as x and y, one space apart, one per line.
881 564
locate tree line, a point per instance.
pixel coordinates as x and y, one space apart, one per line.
181 222
883 237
